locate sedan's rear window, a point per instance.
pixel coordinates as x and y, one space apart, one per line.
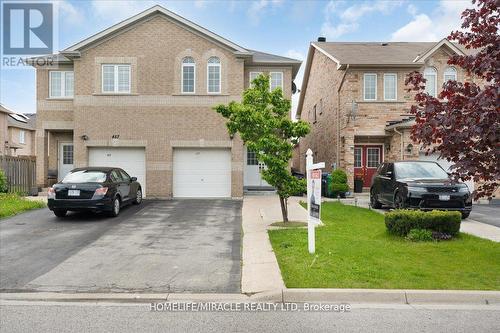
85 176
422 170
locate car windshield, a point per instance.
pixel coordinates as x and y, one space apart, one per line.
417 170
85 176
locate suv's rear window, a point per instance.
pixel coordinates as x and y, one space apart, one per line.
422 170
85 176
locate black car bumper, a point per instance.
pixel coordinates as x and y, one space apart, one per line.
97 205
443 201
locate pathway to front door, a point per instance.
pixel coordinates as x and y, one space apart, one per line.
366 161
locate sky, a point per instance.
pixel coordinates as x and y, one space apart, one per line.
282 27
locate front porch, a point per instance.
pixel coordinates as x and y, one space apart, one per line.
55 155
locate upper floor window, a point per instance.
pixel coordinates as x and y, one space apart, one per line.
188 75
276 80
450 74
61 84
116 78
213 70
430 74
390 87
370 87
22 137
253 76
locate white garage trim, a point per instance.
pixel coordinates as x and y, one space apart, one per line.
444 164
201 173
132 160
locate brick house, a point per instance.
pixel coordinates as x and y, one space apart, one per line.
353 95
4 116
139 95
17 133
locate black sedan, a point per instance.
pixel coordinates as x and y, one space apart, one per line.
97 189
420 185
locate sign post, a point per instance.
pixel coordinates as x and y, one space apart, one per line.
313 174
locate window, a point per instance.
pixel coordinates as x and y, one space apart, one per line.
116 78
188 75
370 87
373 157
253 76
61 84
430 74
125 176
21 137
115 176
357 157
390 87
276 80
213 74
67 154
252 158
450 74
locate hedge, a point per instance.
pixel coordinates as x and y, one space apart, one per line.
400 222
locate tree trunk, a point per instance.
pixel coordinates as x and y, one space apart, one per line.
284 208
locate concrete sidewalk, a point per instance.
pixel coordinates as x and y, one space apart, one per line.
260 270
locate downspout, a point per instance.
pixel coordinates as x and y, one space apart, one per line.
337 158
402 145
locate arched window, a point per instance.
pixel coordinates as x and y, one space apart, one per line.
188 75
213 75
450 74
430 74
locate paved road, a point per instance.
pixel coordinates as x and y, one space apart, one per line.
162 246
86 317
489 214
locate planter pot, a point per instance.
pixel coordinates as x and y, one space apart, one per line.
358 185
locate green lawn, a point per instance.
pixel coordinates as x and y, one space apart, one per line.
11 204
353 250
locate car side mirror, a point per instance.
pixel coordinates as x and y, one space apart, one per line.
388 173
133 179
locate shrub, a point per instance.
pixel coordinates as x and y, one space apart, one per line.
420 235
400 222
3 182
339 183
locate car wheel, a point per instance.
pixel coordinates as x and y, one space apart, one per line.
399 201
115 209
374 203
138 197
60 213
465 215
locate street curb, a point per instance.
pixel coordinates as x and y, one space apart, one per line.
387 296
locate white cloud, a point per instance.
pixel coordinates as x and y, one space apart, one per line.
432 26
200 4
69 13
338 23
257 9
119 10
412 9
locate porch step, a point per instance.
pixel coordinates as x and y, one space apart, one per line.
259 190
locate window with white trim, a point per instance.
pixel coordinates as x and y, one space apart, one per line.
370 87
276 80
357 157
213 75
372 157
188 75
430 74
253 76
22 137
390 86
116 78
450 74
61 84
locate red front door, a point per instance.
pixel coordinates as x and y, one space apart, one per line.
366 161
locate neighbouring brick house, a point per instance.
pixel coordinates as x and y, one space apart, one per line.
139 95
17 133
354 97
4 116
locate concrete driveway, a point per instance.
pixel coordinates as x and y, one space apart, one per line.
160 246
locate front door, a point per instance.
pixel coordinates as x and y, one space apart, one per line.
253 168
366 161
65 159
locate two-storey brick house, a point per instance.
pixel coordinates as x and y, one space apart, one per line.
139 95
355 99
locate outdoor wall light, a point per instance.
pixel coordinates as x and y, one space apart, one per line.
84 137
409 148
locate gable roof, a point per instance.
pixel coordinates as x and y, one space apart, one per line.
4 109
24 121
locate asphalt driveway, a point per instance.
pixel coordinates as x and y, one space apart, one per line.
160 246
488 214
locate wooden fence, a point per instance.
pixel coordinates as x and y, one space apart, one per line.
20 173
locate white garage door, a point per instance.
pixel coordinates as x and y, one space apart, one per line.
445 165
132 160
202 173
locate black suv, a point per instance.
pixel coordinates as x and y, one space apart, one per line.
420 185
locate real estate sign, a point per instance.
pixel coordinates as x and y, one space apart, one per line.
315 199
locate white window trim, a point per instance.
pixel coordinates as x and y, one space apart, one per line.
220 78
194 78
270 79
364 86
22 137
250 77
444 74
435 74
395 86
378 157
63 85
115 73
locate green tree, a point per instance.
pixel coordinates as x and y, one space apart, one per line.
263 122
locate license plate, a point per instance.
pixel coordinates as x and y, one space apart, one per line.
74 193
444 197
